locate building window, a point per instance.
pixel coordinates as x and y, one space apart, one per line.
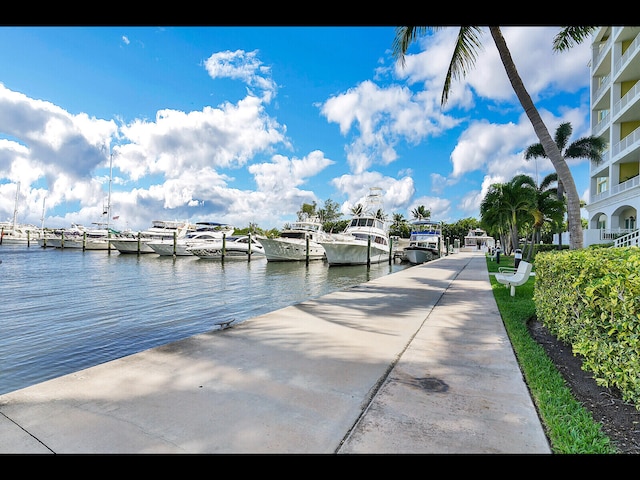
602 222
601 183
630 223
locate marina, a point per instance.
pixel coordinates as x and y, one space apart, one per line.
68 309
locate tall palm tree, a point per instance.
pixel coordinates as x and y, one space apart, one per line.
590 147
464 56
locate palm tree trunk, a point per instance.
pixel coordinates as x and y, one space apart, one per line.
550 147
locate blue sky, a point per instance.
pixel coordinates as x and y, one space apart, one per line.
245 124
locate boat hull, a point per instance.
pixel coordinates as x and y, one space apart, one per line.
210 253
352 253
132 245
291 250
417 256
233 249
168 249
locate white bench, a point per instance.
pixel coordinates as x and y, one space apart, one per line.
512 278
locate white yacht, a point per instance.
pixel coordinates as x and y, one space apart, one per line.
204 234
18 233
365 240
14 233
299 242
165 230
233 247
61 238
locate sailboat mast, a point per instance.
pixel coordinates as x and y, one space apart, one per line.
44 200
109 197
15 208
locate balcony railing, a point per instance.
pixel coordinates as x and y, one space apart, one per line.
604 84
621 187
599 128
626 99
599 52
614 233
633 47
626 142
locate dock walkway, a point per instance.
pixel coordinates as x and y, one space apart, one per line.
413 362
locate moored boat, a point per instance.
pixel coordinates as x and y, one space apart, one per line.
425 242
15 233
18 234
165 230
299 242
205 234
233 247
365 240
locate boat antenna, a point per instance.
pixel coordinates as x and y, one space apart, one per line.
110 180
44 200
15 208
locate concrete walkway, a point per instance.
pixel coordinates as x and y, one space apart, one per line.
414 362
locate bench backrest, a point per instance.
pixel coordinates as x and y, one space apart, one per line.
524 267
522 274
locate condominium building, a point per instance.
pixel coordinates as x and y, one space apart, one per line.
615 115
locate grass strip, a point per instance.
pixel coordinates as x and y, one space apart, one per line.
569 426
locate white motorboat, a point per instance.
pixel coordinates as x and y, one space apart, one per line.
425 242
205 233
299 242
233 247
97 238
63 237
14 233
365 240
18 233
165 230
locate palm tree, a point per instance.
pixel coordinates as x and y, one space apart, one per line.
357 210
507 205
421 212
464 56
547 207
590 147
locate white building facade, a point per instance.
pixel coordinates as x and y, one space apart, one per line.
614 187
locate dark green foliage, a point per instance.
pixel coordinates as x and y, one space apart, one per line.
590 299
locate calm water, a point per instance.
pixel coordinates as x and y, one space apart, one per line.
66 310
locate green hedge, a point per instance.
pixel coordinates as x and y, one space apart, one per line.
590 299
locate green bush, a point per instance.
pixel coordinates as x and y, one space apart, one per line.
590 299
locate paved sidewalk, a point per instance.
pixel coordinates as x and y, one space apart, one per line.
413 362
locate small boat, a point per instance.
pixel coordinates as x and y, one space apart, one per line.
233 247
425 242
299 242
61 238
365 240
205 233
18 233
165 230
97 238
14 233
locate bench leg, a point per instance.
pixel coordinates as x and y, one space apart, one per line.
513 290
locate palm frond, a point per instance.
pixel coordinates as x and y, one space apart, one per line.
463 59
404 37
568 37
